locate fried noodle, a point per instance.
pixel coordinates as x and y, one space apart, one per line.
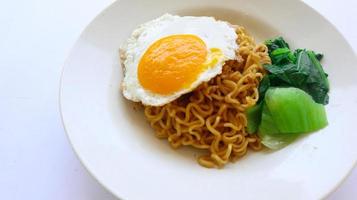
212 117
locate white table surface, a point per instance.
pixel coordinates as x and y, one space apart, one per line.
36 160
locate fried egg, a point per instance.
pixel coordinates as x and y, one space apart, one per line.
171 55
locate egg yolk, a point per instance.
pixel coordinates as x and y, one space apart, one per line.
173 63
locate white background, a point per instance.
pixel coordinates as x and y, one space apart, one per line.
36 160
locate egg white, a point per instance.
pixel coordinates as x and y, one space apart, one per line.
215 34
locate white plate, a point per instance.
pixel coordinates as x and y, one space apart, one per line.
119 148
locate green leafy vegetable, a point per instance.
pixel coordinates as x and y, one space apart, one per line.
254 118
282 56
291 96
287 113
301 69
317 83
276 43
318 56
290 75
263 87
